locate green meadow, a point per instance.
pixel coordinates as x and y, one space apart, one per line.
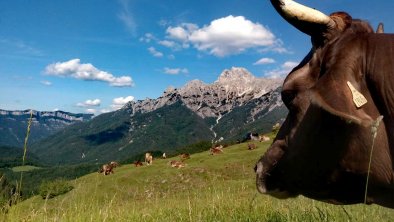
209 188
24 168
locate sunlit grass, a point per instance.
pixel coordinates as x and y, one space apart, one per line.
209 188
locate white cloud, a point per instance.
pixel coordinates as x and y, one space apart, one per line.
119 102
225 36
127 17
264 61
45 82
105 110
167 43
90 102
178 33
175 71
148 37
290 65
284 69
277 47
154 52
86 71
92 111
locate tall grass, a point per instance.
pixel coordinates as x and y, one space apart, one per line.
15 197
374 132
19 187
209 188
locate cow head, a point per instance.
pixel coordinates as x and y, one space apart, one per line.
322 149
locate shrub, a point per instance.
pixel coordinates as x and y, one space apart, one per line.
7 191
51 189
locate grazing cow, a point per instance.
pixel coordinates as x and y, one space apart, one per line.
184 156
334 145
114 164
164 156
264 138
137 163
148 158
251 146
106 169
216 150
254 136
177 164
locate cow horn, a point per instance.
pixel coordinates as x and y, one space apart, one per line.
307 20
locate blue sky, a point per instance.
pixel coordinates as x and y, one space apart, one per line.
94 55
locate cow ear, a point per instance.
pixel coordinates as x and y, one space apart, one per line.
346 100
342 20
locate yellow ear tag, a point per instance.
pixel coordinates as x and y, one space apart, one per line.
358 98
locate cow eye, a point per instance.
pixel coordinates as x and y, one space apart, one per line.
288 96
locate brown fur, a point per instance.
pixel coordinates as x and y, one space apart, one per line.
137 163
216 150
251 146
322 149
106 169
177 164
184 156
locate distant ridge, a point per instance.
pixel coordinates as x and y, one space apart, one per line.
13 124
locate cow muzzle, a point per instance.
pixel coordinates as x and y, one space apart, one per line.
265 187
260 178
268 176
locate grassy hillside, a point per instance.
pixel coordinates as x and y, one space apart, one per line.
69 144
114 136
209 188
237 124
33 176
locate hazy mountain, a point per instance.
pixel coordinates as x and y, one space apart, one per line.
13 125
235 104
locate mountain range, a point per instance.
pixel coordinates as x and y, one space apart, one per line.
13 125
227 110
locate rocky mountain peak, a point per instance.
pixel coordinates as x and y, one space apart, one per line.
234 87
235 74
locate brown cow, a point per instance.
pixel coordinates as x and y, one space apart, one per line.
177 164
251 146
137 163
148 158
114 164
334 145
184 156
106 169
264 138
216 150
